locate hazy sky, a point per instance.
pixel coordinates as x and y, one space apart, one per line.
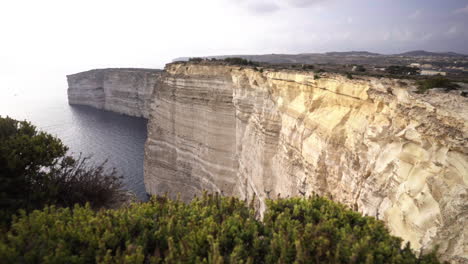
55 37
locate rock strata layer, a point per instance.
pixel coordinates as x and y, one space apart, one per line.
369 143
125 91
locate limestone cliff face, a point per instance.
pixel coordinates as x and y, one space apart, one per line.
369 143
125 91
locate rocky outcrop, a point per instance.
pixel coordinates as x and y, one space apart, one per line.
369 143
125 91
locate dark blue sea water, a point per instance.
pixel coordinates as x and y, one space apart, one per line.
119 139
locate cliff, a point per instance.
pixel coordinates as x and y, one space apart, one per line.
369 143
125 91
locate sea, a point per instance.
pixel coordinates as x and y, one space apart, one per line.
104 135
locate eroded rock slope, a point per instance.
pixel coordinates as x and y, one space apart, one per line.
369 143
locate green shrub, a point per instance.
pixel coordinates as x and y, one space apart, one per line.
210 229
436 82
360 68
23 153
196 59
308 66
240 61
349 76
317 230
402 70
35 171
316 76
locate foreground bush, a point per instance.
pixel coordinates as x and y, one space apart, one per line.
210 229
35 171
317 230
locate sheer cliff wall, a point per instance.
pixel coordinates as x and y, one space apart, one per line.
125 91
367 142
370 143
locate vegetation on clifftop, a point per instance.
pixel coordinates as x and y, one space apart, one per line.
210 229
229 61
240 61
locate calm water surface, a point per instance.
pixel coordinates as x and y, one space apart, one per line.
104 135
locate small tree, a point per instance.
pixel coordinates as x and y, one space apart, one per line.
35 171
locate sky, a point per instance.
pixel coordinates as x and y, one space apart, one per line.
44 40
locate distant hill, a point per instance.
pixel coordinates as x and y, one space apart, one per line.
352 53
418 53
348 57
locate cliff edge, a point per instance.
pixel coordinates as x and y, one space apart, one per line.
369 143
125 91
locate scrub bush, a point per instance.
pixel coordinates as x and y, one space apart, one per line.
209 229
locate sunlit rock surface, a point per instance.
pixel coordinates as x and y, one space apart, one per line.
366 142
369 143
125 91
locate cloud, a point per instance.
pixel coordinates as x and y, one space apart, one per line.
453 30
262 7
463 10
399 35
427 36
415 15
270 6
303 3
386 36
